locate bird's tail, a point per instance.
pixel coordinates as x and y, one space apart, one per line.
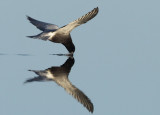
39 72
42 36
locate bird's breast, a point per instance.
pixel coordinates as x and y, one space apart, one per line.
50 75
58 37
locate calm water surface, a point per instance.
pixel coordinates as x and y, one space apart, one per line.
117 58
99 82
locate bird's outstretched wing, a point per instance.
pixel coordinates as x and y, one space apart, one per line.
75 92
82 98
43 25
85 18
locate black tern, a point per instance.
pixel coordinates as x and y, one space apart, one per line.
61 35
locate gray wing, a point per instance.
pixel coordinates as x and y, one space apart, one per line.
42 25
85 18
75 92
82 98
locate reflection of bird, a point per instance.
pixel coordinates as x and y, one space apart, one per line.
60 76
61 35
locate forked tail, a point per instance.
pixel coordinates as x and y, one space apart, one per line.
42 36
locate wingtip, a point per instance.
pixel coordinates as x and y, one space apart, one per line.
30 36
27 17
25 82
91 109
97 8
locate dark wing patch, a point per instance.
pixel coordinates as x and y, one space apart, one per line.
42 25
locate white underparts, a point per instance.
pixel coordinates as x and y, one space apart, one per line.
51 34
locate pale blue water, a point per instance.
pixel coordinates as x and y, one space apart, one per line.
117 58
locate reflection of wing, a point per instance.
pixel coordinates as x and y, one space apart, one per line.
60 76
42 25
75 92
85 18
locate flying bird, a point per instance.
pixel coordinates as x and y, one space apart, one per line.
59 74
61 35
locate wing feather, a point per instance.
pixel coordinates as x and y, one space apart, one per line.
75 92
42 25
85 18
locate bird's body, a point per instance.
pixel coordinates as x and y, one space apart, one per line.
61 35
